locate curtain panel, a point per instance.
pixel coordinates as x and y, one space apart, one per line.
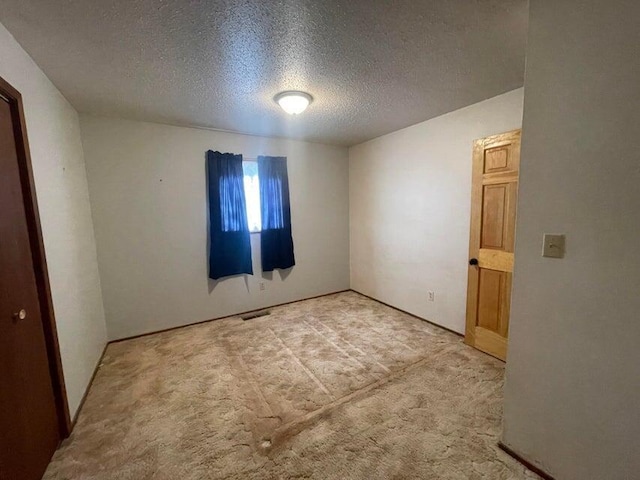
275 240
230 247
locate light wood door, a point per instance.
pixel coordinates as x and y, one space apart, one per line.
494 193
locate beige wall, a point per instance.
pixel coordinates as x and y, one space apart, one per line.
65 215
410 209
572 396
147 184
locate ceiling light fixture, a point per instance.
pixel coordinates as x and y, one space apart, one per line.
293 102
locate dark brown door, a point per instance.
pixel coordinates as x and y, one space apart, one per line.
29 432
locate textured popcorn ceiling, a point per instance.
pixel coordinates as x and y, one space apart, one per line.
373 66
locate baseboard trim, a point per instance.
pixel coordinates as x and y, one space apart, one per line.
409 313
537 470
86 391
246 312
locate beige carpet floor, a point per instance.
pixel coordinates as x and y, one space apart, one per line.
338 387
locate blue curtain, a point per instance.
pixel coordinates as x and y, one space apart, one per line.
230 249
276 240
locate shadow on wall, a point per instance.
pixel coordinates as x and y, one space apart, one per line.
207 246
283 274
214 283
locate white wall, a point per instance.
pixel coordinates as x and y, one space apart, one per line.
410 201
65 215
572 397
147 184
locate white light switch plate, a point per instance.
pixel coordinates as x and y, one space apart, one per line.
553 245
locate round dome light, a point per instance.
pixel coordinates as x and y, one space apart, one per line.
293 102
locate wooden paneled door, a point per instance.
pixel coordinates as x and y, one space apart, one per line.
494 193
31 424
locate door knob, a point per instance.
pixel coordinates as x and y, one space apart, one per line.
21 315
473 261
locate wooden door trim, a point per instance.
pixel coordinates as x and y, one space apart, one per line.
474 241
39 258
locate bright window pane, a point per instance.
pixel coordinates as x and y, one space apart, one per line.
252 193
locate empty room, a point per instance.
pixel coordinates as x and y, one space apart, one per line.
319 239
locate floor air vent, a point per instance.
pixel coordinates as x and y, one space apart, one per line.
252 315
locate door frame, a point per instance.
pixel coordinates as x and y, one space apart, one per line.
39 259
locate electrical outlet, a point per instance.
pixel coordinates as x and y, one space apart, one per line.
261 284
432 296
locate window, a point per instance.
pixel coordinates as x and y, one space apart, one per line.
252 194
244 197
